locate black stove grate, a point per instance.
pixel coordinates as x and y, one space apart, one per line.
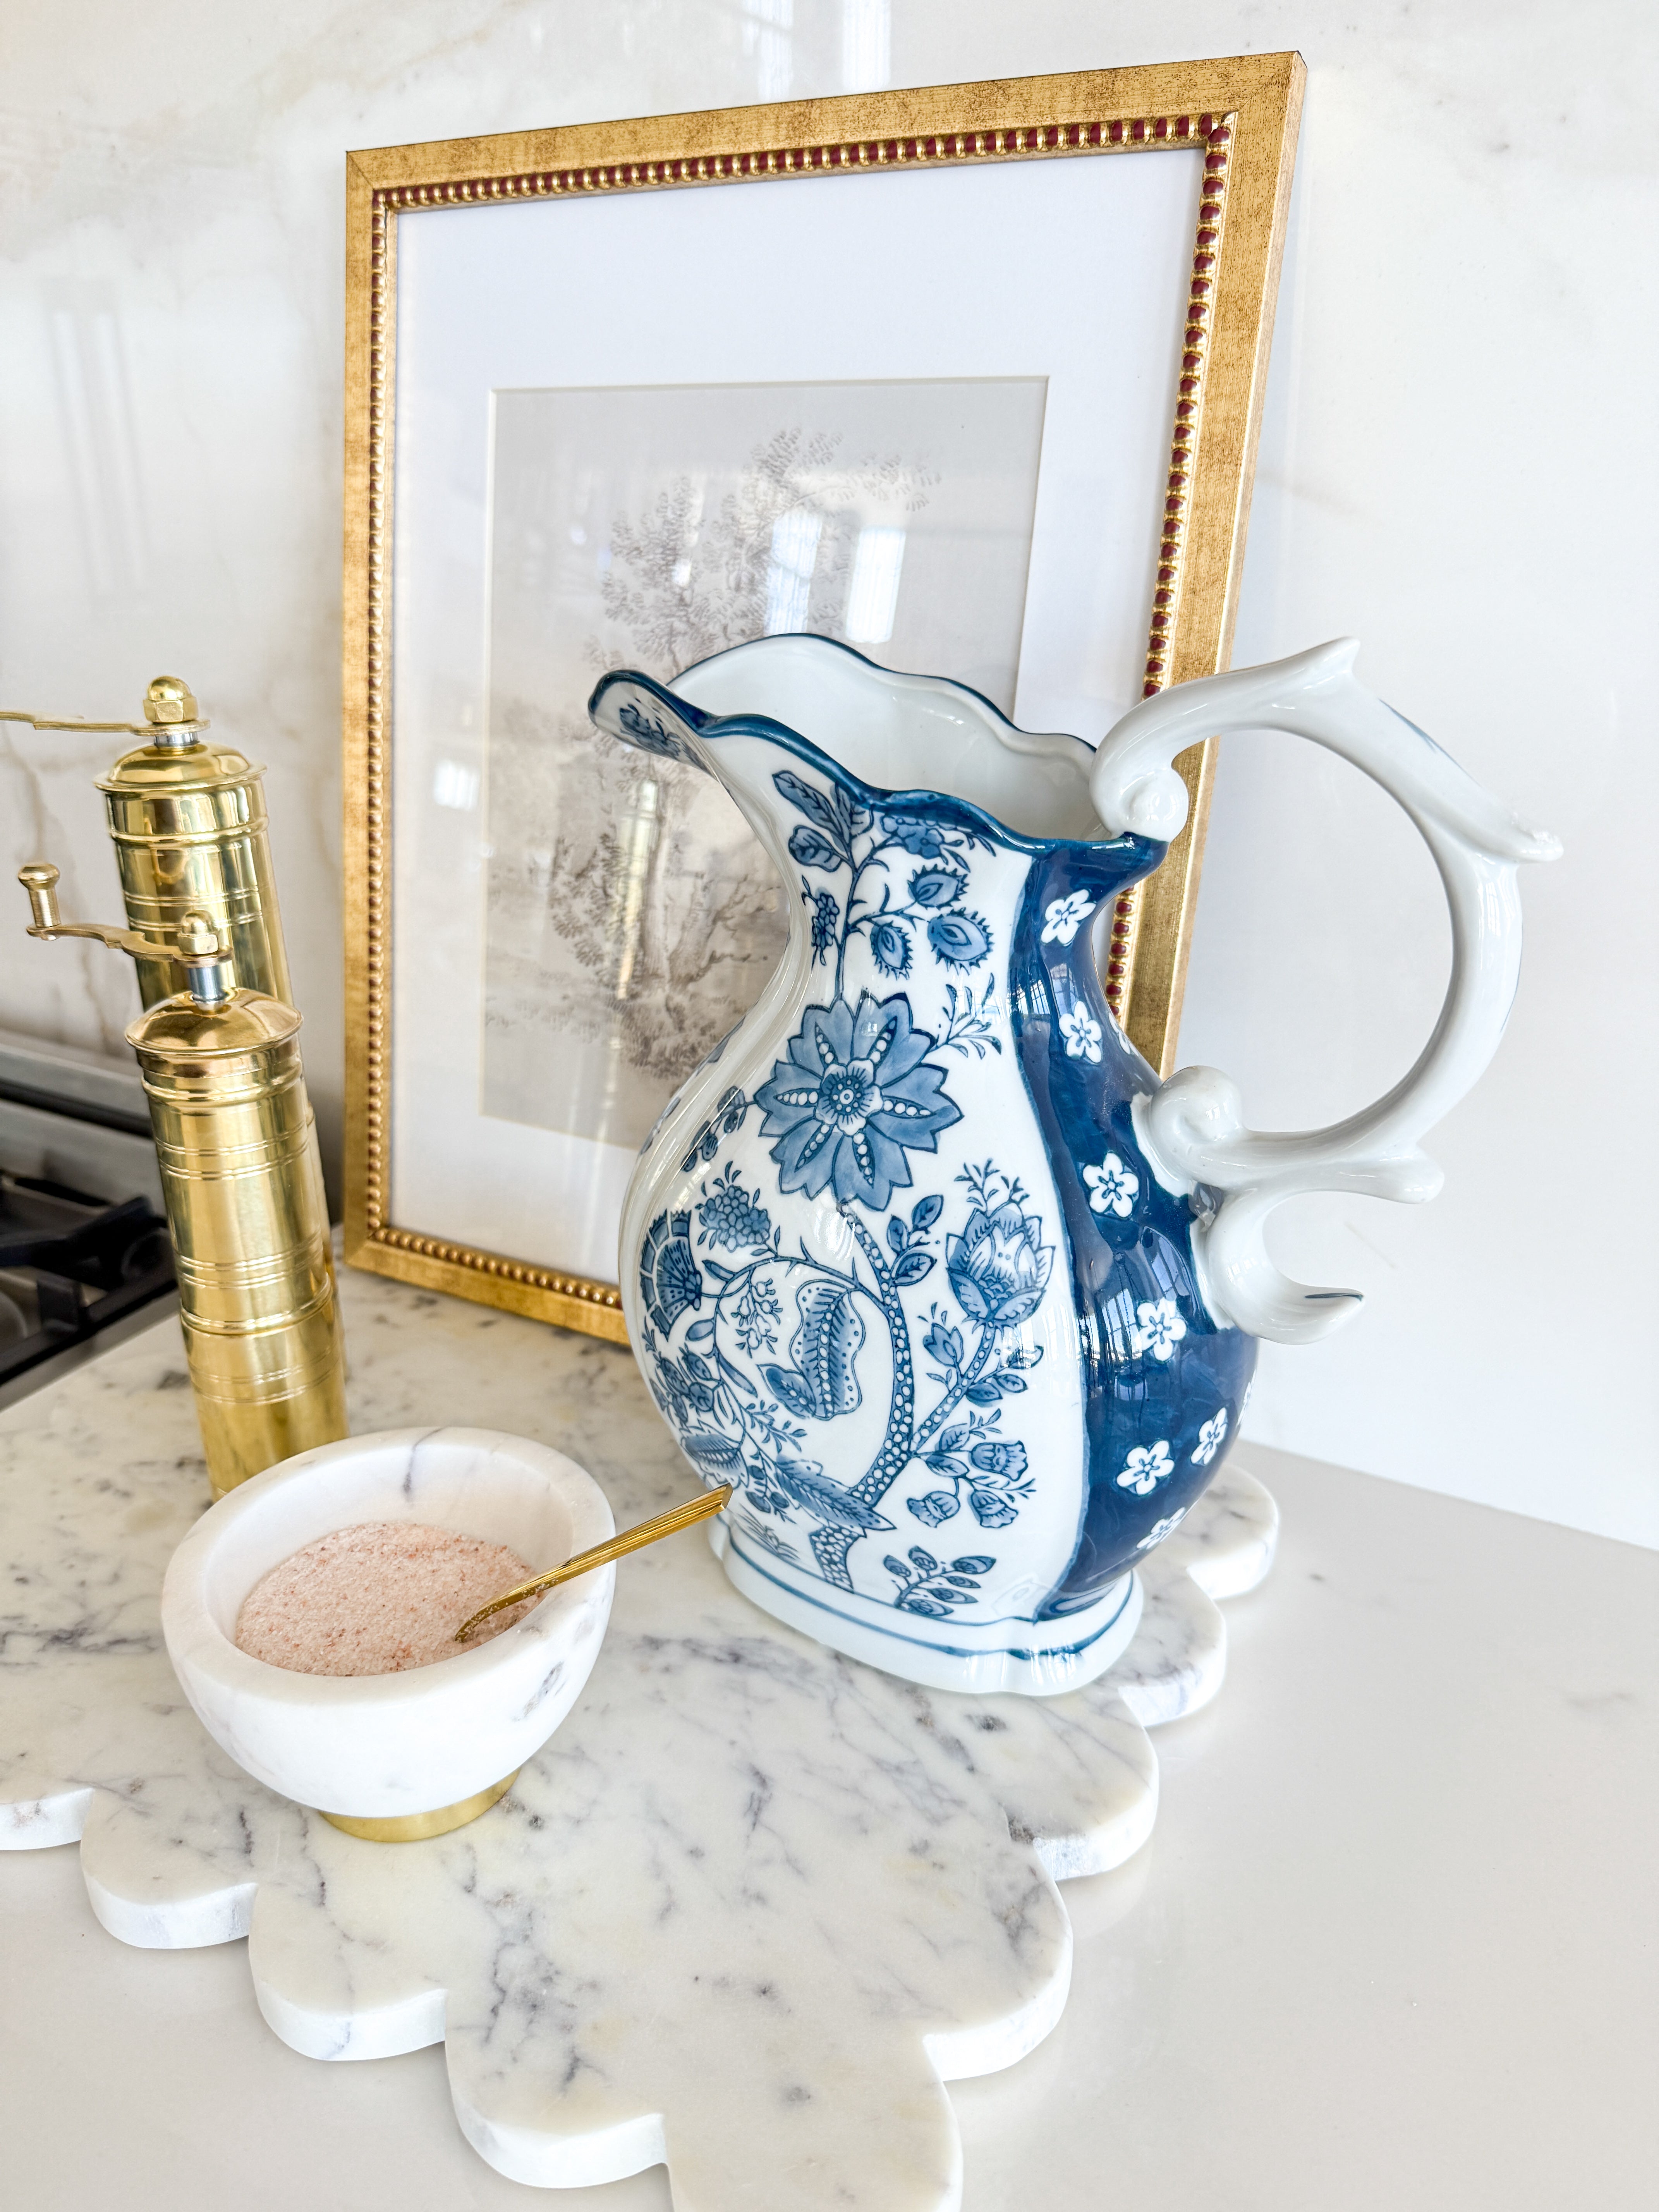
70 1265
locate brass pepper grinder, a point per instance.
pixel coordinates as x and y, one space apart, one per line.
188 822
244 1190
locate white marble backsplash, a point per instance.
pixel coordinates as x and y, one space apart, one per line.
747 1911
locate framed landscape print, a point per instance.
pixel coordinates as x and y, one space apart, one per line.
969 378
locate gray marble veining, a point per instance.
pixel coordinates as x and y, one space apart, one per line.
746 1913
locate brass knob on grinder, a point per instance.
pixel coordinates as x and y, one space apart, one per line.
170 701
39 879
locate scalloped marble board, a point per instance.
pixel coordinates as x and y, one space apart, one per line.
750 1889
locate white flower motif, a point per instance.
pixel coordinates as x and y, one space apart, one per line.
1147 1465
1112 1188
1160 1530
1063 917
1158 1329
1082 1034
1209 1440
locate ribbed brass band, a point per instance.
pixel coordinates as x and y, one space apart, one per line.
241 820
416 1827
237 1149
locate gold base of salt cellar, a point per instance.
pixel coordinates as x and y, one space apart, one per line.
416 1827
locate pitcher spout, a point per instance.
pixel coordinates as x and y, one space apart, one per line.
882 737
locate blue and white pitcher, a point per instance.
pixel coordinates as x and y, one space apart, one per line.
924 1260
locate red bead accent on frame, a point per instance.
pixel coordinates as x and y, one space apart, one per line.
1157 130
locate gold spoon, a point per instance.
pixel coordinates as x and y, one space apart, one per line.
614 1548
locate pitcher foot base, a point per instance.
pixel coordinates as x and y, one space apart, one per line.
1031 1658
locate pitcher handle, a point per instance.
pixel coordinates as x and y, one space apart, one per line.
1192 1129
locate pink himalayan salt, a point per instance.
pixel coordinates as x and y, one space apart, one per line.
377 1599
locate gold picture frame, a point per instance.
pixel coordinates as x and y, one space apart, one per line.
1243 113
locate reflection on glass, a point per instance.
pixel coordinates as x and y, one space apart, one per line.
873 603
454 784
769 35
789 573
866 44
627 888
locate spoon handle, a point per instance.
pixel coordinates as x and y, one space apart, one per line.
614 1548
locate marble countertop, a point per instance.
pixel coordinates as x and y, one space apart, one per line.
1385 1944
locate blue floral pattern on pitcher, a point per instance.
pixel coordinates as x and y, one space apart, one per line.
905 1251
